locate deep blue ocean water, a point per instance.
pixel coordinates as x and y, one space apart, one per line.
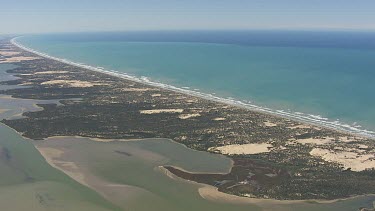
331 74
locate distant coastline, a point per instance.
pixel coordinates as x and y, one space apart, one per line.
298 116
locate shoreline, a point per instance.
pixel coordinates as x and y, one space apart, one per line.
209 192
309 119
261 122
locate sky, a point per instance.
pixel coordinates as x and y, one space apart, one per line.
40 16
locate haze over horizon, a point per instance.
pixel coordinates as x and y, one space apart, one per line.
41 16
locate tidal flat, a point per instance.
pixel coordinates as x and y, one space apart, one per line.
28 182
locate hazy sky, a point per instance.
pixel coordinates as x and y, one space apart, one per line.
22 16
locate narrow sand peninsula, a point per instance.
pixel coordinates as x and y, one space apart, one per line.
63 159
90 138
211 193
53 156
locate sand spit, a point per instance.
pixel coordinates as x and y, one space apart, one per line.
211 193
90 139
240 149
60 156
160 111
348 158
71 83
52 157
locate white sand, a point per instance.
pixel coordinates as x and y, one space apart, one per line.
188 116
3 110
18 59
212 194
219 119
51 72
52 157
362 146
300 127
71 83
350 139
136 89
269 124
159 111
155 95
317 141
349 159
9 53
239 149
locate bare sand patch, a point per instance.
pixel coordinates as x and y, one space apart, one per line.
350 138
188 116
3 110
347 158
219 119
137 89
9 53
317 141
72 83
155 95
18 59
239 149
269 124
51 72
300 127
6 97
159 111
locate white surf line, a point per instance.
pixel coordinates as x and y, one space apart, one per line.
305 118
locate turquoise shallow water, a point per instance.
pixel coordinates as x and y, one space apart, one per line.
326 74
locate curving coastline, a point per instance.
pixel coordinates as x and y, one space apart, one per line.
116 108
298 116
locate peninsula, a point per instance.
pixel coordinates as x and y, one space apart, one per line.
273 157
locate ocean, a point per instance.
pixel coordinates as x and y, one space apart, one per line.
320 77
